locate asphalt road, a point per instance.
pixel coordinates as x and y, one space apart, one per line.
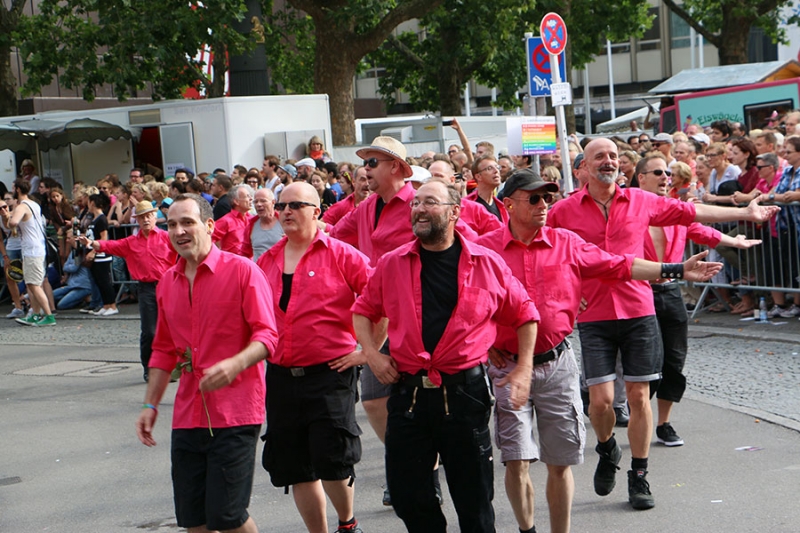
71 461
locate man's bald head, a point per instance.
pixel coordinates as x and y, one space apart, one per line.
300 191
443 170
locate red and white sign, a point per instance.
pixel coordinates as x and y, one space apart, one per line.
554 33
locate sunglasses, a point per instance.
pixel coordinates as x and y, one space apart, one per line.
373 162
535 198
294 206
658 172
759 167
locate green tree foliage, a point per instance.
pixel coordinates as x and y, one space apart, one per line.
290 46
466 39
130 43
726 23
9 23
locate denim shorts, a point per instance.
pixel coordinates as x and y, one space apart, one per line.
638 340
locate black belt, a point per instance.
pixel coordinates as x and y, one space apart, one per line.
421 379
550 355
299 371
663 287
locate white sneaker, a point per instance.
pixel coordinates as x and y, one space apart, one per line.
108 312
790 312
774 312
16 313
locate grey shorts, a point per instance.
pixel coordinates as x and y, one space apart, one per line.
33 270
371 388
638 340
555 401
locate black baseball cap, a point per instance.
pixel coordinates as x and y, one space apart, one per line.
526 180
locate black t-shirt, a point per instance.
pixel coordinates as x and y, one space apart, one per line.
286 293
379 205
98 226
222 206
439 279
493 209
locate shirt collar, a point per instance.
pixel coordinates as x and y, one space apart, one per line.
542 236
619 193
467 246
210 262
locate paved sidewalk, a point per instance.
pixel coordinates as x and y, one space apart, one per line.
71 461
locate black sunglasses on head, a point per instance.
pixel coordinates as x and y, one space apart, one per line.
373 162
294 206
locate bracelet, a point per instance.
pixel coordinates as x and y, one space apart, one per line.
150 406
671 270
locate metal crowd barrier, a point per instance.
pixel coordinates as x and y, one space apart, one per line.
772 266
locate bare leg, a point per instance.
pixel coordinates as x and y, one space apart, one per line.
13 290
519 490
38 300
377 415
48 291
664 411
560 490
641 423
309 498
601 413
341 497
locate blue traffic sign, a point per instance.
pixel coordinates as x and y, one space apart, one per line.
539 67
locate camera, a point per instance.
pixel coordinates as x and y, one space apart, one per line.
447 123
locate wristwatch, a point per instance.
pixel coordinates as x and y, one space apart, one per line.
772 197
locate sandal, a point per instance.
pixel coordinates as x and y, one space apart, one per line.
719 307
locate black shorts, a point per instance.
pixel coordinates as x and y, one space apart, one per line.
312 431
212 477
637 339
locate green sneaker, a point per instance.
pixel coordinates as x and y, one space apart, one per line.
48 320
29 320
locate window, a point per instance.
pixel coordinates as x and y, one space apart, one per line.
680 31
651 40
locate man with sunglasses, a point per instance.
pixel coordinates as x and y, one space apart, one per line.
552 264
312 441
621 316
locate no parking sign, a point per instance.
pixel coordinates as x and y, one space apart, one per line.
539 67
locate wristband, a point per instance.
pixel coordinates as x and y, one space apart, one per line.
672 270
150 406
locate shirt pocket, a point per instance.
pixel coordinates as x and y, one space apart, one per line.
474 305
555 282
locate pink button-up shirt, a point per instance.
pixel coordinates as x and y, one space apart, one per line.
147 258
488 293
552 268
473 196
478 218
317 326
225 312
231 231
630 214
675 241
338 210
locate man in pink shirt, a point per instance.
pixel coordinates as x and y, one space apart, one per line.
487 175
472 213
667 244
441 325
230 231
621 316
312 441
552 264
219 406
148 255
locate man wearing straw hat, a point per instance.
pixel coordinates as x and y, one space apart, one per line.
148 254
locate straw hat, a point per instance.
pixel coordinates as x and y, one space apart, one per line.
391 147
145 207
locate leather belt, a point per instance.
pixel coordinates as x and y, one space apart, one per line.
550 355
663 287
421 379
298 371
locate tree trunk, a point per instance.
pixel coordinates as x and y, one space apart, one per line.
8 85
220 65
450 85
733 44
334 72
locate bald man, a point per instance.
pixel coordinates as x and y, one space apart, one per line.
312 441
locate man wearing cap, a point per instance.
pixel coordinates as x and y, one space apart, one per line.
220 187
663 143
440 329
419 175
305 168
312 441
551 263
621 316
148 255
230 231
287 174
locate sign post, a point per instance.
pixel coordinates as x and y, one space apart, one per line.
554 39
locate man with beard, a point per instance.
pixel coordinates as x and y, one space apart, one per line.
621 316
440 329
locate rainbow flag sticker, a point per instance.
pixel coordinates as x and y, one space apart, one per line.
531 135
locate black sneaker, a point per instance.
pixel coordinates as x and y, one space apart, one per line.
622 417
639 490
387 498
354 528
606 472
666 435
